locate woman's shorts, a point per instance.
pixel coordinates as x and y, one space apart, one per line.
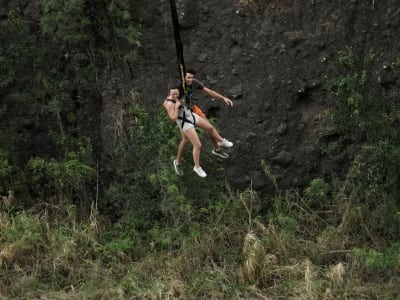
190 119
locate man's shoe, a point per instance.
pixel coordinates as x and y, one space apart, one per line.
178 169
200 171
220 153
225 143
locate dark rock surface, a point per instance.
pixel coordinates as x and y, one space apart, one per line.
270 63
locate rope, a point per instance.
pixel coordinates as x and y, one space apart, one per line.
179 47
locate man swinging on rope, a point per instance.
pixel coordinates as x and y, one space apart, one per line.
186 109
192 85
187 120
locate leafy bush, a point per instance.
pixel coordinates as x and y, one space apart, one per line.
88 25
365 121
368 125
388 261
67 178
317 191
45 75
18 53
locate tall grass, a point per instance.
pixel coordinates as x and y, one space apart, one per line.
46 252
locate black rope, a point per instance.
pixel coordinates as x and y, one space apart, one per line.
179 47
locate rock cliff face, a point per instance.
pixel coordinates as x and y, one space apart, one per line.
268 57
270 61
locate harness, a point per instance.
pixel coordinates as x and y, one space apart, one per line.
190 100
190 96
184 115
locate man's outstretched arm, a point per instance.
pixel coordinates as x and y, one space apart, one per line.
217 95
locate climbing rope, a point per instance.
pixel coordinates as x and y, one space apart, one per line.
179 47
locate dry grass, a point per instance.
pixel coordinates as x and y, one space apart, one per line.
256 261
253 260
9 253
336 274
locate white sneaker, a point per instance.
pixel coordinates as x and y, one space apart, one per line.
200 171
225 143
220 153
178 169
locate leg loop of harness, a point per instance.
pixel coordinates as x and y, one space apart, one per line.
184 119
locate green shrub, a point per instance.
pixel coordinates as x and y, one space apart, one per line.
317 191
387 261
66 178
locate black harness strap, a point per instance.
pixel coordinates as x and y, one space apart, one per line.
183 118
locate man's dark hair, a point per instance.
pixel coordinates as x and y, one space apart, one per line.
191 71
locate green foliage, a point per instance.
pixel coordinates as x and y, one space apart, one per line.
364 121
138 152
73 23
66 20
349 60
287 224
47 77
67 178
4 164
25 232
5 171
388 261
167 238
17 52
357 115
317 191
123 28
121 242
367 129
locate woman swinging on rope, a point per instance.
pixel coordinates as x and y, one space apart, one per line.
187 120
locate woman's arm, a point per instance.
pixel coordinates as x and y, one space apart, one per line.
172 109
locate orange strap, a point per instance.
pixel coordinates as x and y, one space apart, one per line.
198 111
